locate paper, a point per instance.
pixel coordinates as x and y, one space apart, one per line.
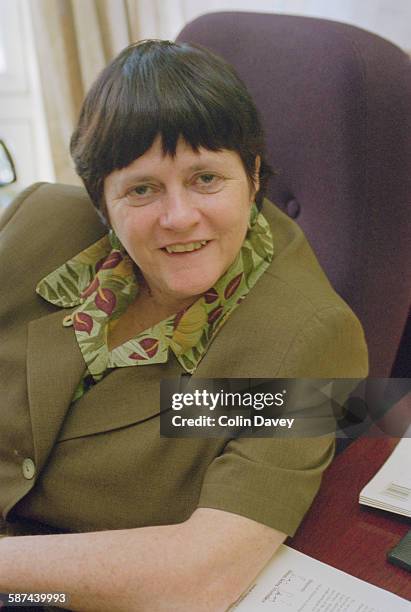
390 488
294 582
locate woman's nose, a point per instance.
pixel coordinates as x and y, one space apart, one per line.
179 213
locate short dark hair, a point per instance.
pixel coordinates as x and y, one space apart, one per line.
158 87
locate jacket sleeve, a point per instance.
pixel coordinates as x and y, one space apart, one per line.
274 481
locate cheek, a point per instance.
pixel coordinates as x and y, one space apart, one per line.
235 219
232 207
132 227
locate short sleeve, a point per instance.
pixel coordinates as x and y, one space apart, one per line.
274 481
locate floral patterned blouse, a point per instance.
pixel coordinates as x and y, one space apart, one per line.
100 283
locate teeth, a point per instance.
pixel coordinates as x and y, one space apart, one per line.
185 248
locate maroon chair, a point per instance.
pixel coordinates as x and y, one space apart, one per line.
335 102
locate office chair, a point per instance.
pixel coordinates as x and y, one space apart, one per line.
335 102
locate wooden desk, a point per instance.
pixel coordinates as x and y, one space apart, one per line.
350 537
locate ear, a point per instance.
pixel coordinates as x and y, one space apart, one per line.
256 180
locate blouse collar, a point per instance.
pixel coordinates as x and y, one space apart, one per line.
100 283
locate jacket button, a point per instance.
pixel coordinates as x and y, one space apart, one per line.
292 208
28 468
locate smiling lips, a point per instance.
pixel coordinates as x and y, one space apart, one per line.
185 248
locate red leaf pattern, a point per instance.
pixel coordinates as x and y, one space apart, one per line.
215 314
210 296
83 322
137 357
99 264
150 346
233 286
93 286
105 300
111 261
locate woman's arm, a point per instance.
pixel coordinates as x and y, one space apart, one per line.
203 564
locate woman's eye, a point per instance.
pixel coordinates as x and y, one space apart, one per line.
207 178
141 190
140 195
208 181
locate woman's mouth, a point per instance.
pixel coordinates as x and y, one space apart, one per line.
188 247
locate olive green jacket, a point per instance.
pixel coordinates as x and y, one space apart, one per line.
102 463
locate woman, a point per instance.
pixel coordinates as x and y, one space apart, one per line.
190 279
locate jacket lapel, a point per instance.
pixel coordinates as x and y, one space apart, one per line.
126 396
54 368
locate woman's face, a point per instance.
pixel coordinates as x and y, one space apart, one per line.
182 219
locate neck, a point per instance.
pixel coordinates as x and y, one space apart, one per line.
162 305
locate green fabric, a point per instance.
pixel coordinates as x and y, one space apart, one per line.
105 451
101 283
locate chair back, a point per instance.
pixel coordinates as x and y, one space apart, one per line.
335 102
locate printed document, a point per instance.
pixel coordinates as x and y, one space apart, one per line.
294 582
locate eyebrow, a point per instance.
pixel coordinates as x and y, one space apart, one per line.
145 178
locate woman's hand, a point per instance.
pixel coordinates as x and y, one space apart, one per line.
203 564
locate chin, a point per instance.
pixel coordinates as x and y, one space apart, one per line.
193 290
